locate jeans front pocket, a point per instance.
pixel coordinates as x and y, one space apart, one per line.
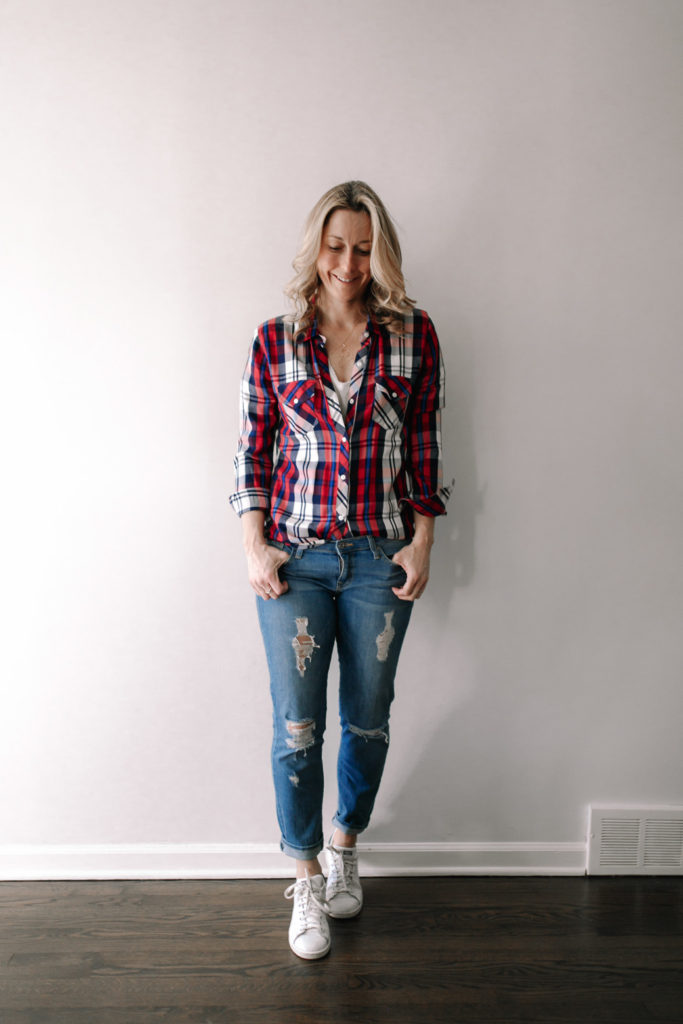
388 548
396 573
286 549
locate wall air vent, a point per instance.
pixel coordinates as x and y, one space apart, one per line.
635 841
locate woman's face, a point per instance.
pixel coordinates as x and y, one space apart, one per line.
344 258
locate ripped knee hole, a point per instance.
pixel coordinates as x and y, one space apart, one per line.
301 734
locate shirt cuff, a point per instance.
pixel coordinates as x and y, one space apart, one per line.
253 499
431 504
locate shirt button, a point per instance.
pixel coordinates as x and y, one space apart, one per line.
342 476
296 401
351 401
394 394
345 440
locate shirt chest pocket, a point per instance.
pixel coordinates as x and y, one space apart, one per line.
392 395
300 404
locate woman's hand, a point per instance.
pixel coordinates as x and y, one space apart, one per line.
414 560
263 560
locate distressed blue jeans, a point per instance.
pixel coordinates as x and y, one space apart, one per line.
338 591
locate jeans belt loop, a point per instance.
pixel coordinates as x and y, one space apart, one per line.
372 544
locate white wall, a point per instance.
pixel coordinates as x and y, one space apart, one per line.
158 161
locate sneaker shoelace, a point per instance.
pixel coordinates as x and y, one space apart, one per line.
341 872
310 905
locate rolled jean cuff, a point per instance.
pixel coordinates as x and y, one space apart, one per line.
310 854
346 829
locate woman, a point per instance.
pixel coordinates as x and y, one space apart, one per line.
338 482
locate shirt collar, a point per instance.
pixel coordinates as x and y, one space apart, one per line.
371 327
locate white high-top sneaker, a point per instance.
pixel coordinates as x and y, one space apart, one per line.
344 893
309 930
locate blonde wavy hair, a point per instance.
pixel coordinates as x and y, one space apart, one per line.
386 295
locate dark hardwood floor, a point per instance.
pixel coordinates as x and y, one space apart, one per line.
462 950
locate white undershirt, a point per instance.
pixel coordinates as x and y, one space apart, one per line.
342 387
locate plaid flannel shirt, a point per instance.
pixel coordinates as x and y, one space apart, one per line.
319 476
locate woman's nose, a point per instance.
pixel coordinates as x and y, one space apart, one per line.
348 260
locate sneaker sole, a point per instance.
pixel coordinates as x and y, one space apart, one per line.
342 917
311 956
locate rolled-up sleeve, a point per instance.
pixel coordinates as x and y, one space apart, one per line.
258 420
427 494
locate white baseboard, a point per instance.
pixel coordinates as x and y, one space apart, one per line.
264 860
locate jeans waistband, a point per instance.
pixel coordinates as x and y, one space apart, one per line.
346 545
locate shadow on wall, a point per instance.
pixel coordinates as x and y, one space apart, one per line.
426 694
457 568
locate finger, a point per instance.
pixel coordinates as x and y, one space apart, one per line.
406 592
402 592
273 581
263 587
413 580
274 587
412 589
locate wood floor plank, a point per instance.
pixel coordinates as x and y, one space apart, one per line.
462 950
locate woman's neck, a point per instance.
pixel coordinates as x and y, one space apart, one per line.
341 316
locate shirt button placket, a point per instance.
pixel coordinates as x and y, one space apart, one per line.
343 481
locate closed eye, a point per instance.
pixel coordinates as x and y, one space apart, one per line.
339 248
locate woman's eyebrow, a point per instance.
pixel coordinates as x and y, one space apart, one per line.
364 241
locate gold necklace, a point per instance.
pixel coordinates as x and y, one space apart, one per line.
345 342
